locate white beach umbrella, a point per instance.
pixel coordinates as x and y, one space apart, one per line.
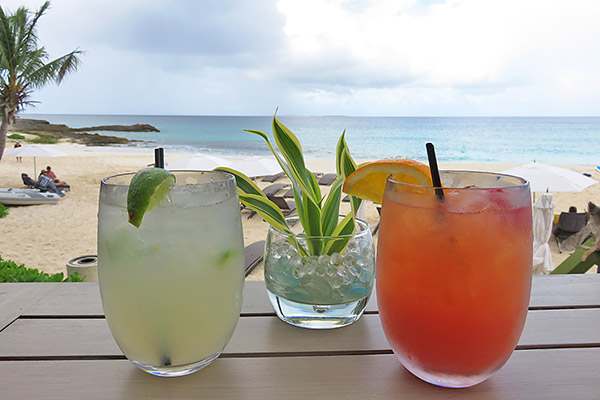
34 150
543 214
257 166
198 163
546 178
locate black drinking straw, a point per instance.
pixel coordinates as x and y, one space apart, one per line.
159 157
435 172
159 162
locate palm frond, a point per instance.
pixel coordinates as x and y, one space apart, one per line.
24 65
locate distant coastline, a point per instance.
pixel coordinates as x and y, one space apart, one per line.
45 129
457 139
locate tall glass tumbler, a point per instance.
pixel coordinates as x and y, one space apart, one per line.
454 274
172 288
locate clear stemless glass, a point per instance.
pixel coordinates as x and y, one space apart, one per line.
325 288
172 288
454 274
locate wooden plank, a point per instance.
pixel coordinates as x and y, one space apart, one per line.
54 337
549 291
261 335
529 374
568 327
17 298
81 298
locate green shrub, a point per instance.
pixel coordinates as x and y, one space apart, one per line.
3 210
44 139
16 136
11 272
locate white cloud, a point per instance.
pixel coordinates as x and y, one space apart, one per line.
357 57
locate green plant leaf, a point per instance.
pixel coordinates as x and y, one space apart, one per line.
11 272
345 227
286 168
346 166
315 188
281 162
252 197
331 209
299 202
3 210
272 215
319 215
297 183
290 148
312 216
341 146
244 184
266 209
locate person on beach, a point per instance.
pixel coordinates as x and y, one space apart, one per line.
16 146
594 212
50 174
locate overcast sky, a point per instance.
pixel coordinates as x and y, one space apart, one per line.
324 57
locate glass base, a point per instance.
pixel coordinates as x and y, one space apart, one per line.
177 370
445 379
314 316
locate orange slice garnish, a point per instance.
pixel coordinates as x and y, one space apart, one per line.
368 182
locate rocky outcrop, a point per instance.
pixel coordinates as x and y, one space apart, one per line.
80 135
119 128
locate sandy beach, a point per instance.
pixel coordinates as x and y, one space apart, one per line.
47 236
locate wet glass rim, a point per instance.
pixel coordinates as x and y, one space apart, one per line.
350 235
524 184
227 177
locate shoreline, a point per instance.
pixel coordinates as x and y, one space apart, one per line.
555 140
47 236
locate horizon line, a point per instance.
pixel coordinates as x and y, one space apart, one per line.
318 116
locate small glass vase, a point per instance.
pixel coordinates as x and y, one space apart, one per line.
319 282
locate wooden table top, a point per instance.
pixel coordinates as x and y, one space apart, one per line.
55 344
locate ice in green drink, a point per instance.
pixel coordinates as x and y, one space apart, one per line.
172 288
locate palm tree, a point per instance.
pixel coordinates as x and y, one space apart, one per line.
24 66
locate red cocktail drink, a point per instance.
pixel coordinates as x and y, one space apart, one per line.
454 274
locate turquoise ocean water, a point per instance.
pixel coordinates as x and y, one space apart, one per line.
573 140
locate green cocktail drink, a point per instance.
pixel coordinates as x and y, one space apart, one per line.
172 288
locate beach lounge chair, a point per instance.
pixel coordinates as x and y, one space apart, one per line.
378 222
573 263
273 188
569 223
30 183
272 178
290 193
44 184
286 206
269 191
327 179
254 254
